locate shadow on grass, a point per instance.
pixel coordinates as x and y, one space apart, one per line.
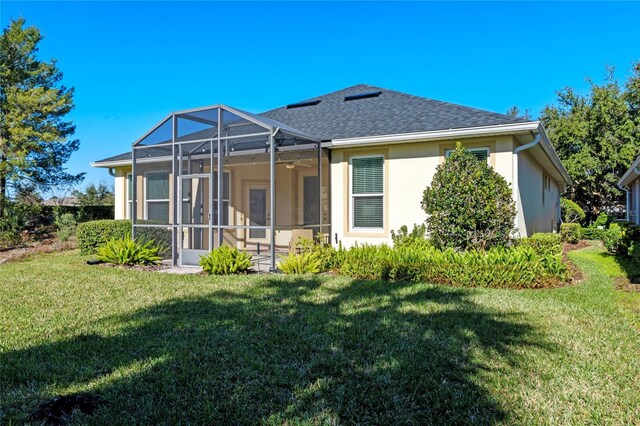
365 352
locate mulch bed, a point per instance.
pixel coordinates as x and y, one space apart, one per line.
134 267
45 246
579 245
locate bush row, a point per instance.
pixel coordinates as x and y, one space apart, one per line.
516 267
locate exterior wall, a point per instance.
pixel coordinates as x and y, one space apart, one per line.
408 170
120 192
533 214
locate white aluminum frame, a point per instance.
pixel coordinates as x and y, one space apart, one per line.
352 217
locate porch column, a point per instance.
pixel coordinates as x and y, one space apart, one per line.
220 182
272 200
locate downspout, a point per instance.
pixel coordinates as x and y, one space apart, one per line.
112 171
514 177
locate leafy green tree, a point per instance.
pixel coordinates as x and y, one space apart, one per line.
95 195
514 111
571 212
470 206
35 137
597 137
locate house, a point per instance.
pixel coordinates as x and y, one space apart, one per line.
351 164
630 183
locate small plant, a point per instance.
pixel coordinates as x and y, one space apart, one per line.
128 251
305 263
614 239
329 258
570 232
417 237
226 260
543 243
65 223
571 211
603 221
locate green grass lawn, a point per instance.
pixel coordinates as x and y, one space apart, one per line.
275 349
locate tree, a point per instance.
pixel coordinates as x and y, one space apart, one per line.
470 206
514 111
95 195
35 138
571 212
597 137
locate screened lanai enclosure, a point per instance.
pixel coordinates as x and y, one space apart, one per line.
217 176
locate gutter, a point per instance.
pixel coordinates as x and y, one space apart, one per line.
514 171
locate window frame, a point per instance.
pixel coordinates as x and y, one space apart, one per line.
157 200
382 195
447 152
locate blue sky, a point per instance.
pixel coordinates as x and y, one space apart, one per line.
133 63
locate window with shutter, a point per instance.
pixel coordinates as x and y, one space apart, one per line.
367 192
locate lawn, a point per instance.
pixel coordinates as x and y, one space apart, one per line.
165 349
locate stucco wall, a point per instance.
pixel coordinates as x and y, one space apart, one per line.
409 169
533 214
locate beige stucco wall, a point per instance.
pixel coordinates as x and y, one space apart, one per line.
409 169
120 192
533 214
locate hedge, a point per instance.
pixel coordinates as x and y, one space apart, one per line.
96 233
515 267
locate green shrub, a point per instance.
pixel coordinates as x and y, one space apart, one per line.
614 239
515 267
161 236
225 260
9 239
417 237
593 233
127 251
328 257
543 243
65 223
603 220
470 206
96 233
571 212
305 263
570 232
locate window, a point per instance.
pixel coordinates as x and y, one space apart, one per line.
157 196
481 154
128 213
546 186
367 192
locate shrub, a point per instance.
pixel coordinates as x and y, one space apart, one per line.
328 257
614 239
593 233
515 267
417 237
161 236
543 243
94 234
570 232
602 220
305 263
470 206
571 212
225 260
66 224
127 251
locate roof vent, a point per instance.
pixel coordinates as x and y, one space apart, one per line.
304 104
363 96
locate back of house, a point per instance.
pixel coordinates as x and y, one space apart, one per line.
350 165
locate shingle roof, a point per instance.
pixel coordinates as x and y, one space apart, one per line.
390 113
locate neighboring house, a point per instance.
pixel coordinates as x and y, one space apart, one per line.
64 201
630 182
378 150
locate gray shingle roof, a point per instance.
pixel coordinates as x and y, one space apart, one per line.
389 113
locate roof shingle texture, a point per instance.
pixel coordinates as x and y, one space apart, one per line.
390 113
